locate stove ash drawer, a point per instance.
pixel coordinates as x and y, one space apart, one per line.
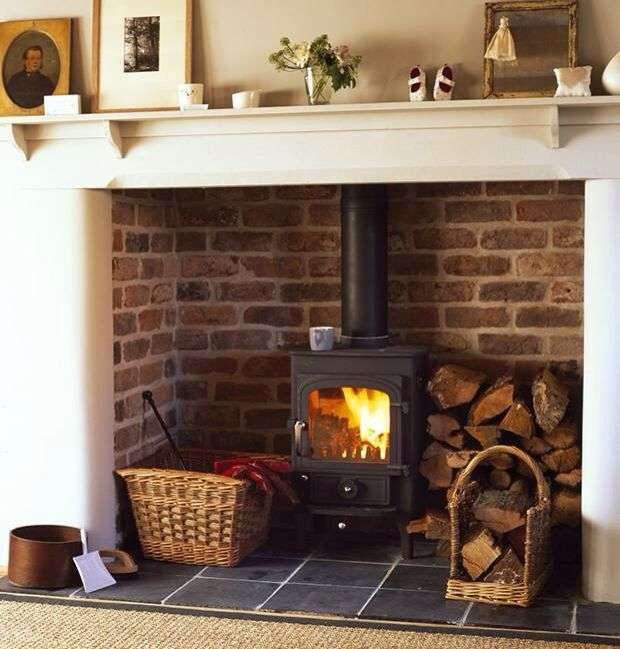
353 490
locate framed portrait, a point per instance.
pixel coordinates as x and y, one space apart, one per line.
545 37
35 58
142 50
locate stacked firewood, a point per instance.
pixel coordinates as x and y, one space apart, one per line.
473 415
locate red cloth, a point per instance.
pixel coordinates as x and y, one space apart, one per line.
264 472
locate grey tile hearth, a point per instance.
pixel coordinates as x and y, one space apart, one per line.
358 578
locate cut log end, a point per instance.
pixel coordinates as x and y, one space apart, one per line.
493 402
453 385
479 552
550 398
508 570
501 511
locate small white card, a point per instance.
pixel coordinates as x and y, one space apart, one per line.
93 573
195 107
62 104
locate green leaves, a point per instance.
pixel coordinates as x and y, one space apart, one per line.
336 62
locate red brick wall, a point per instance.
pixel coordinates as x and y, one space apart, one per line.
486 273
144 273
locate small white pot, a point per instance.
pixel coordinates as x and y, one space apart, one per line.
246 99
611 76
190 94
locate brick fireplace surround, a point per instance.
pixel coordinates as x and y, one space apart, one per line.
212 286
209 287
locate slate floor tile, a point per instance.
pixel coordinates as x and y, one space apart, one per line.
146 587
256 569
599 619
543 615
414 606
333 600
409 577
7 587
223 593
341 573
168 568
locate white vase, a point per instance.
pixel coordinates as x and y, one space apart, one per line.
611 76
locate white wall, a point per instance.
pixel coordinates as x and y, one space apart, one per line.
56 384
232 39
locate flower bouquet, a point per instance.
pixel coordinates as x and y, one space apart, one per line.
325 67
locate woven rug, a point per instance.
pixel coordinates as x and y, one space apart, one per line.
55 626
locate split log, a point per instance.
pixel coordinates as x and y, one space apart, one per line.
508 570
535 446
438 525
486 436
435 468
418 525
520 486
500 479
493 402
566 508
501 461
460 459
456 441
516 538
441 426
518 420
563 436
453 385
563 460
479 552
501 511
570 479
550 398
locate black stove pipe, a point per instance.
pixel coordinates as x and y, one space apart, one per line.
364 266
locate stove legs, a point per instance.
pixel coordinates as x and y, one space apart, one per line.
406 539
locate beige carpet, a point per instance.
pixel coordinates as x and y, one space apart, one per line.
54 626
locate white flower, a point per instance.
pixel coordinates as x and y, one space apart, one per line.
301 53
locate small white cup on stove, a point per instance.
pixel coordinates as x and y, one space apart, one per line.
321 338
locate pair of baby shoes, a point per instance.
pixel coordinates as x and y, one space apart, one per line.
444 84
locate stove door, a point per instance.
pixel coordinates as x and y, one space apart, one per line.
348 422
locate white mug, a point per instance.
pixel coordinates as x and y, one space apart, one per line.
246 99
321 338
190 94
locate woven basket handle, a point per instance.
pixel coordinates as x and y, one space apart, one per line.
542 487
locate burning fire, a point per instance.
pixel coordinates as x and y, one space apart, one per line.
370 411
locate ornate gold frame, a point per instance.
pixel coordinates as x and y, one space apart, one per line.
493 8
59 30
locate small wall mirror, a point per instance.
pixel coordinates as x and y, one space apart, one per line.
545 36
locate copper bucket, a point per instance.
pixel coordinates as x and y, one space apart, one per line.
41 556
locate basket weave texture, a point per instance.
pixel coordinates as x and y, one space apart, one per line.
537 538
194 517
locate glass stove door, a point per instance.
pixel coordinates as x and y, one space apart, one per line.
349 423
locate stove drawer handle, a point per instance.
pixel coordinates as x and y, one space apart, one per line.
302 445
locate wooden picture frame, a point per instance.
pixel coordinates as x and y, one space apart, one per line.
35 60
539 55
119 83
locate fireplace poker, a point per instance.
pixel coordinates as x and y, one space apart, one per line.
147 396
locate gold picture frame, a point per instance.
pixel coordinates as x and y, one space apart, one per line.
545 34
151 87
35 60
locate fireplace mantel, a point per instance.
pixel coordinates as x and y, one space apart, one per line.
520 139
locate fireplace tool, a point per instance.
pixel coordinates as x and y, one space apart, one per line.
147 397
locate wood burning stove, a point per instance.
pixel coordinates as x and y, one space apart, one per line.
357 411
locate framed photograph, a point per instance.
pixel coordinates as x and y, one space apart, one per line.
142 50
35 58
545 37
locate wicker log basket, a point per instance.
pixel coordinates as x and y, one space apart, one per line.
194 517
537 565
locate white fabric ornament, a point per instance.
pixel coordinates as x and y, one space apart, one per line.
502 45
417 84
573 82
444 84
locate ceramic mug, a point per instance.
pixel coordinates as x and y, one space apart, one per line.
321 338
190 94
246 99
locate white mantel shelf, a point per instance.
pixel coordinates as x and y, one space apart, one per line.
521 139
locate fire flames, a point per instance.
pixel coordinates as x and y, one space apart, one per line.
370 412
350 423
